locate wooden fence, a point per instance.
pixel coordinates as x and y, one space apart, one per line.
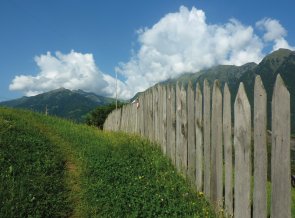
195 131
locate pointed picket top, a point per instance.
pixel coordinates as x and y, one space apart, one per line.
280 171
242 143
178 103
198 88
226 89
280 87
190 84
241 97
260 150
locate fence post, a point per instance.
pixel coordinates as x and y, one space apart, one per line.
242 142
227 142
207 145
216 147
191 134
260 151
280 159
199 138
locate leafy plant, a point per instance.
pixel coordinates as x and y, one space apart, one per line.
98 116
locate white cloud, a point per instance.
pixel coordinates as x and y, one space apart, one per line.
72 71
184 42
274 32
179 42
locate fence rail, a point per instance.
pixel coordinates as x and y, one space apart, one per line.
195 131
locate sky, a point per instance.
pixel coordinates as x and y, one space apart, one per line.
84 44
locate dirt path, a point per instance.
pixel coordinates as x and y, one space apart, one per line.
72 170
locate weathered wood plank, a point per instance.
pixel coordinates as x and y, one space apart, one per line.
141 103
199 138
123 119
160 115
280 159
227 142
150 114
260 151
216 147
169 121
183 134
178 128
191 134
164 121
173 127
145 114
242 142
156 113
207 134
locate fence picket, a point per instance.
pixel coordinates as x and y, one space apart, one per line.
183 133
260 151
191 134
169 121
227 142
216 147
155 112
207 135
160 115
150 115
172 131
199 138
178 128
164 121
280 159
242 143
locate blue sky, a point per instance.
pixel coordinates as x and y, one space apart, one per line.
81 44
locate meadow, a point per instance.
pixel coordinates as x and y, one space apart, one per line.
51 167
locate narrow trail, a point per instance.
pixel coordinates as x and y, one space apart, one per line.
73 171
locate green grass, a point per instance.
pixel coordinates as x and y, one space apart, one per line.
31 171
54 168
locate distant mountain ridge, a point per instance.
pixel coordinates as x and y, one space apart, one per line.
280 62
61 102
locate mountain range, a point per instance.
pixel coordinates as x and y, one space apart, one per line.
61 102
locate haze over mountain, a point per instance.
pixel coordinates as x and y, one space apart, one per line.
61 102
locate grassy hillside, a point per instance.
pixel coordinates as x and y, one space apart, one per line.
32 170
54 168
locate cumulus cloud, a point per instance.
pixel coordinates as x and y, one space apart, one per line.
185 42
179 42
72 71
274 32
